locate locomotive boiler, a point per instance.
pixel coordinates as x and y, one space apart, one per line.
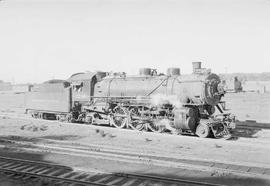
184 104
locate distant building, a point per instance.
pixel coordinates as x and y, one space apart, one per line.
5 86
19 88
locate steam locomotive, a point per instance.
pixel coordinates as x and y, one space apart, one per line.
182 104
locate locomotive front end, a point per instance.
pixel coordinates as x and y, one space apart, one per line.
202 91
213 90
220 124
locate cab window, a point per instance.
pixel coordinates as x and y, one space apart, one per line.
77 86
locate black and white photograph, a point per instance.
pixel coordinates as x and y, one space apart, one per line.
134 92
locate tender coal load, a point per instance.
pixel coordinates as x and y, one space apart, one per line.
145 71
173 72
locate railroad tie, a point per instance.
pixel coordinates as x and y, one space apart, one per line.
7 164
130 182
89 177
53 173
3 163
21 167
32 167
144 183
78 176
115 181
15 166
67 174
58 182
26 177
9 174
46 170
103 179
20 176
37 170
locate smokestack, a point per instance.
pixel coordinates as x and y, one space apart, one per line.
196 66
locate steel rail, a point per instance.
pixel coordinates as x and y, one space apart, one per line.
59 173
53 177
131 157
172 180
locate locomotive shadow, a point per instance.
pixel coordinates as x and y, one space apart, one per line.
23 155
248 129
214 178
34 140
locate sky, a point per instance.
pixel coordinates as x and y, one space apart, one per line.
46 39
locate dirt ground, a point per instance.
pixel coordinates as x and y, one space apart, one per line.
93 148
249 106
104 149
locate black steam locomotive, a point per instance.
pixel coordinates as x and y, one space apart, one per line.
184 104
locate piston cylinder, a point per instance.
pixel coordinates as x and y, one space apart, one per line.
183 121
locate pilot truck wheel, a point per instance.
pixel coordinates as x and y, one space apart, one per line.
202 130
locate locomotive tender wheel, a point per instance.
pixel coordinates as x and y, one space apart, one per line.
135 123
40 115
120 117
68 118
89 120
202 130
61 118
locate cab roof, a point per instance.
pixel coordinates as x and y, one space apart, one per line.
81 76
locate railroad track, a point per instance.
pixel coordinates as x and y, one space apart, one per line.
252 126
58 174
112 154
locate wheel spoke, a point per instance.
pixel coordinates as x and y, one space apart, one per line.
119 118
135 121
202 130
152 126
